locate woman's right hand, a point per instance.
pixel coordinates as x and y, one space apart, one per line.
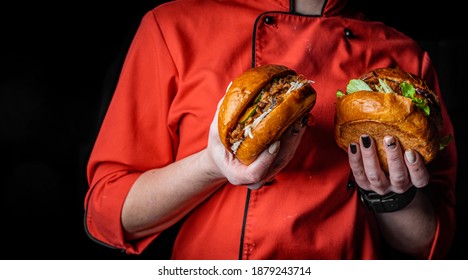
264 168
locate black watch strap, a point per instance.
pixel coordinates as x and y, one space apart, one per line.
389 202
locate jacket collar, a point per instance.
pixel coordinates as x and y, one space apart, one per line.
330 8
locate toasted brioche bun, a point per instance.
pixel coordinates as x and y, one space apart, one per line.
380 114
240 96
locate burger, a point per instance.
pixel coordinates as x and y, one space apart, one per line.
259 105
389 101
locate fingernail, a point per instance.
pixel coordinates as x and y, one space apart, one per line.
366 141
273 148
410 156
296 130
389 141
255 186
353 148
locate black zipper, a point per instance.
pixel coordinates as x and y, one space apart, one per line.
244 220
253 60
292 6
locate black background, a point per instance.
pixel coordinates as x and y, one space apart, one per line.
59 62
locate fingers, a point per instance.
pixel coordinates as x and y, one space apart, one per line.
404 169
266 159
274 159
293 135
357 166
419 175
398 172
262 165
374 173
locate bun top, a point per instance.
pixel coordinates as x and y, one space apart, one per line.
423 97
395 76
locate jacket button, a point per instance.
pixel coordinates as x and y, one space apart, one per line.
351 185
348 33
269 20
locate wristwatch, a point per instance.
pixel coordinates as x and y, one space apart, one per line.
389 202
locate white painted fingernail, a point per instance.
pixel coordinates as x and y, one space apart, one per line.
410 156
389 141
255 186
273 148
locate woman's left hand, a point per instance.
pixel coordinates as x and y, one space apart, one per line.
405 169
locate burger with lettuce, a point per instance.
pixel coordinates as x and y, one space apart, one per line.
390 101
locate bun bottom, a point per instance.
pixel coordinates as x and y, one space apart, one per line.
351 132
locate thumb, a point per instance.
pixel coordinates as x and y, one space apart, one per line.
274 148
263 162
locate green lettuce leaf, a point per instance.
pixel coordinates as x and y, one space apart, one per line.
339 93
384 87
445 141
357 85
408 90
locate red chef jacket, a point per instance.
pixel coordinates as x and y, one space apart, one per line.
182 58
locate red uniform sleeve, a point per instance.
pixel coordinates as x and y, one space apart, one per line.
443 172
134 136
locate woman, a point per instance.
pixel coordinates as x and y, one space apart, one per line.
158 159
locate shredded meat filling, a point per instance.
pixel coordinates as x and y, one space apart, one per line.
395 85
271 96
